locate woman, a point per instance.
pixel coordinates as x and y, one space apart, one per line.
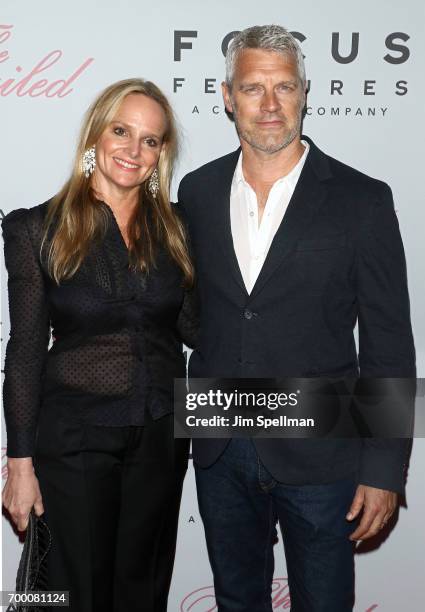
90 432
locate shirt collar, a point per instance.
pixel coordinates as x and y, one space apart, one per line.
291 177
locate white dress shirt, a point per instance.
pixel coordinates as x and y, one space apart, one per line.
251 240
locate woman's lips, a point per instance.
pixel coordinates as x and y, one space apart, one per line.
125 165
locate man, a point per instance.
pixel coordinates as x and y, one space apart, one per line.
292 248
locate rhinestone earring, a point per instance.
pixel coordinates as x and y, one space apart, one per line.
153 184
88 162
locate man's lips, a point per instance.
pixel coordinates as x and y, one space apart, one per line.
271 124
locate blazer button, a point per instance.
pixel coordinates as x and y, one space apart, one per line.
248 314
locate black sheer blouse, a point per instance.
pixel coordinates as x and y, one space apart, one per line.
117 334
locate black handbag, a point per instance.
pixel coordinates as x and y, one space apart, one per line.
32 571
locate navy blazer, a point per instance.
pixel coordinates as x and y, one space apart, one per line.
336 259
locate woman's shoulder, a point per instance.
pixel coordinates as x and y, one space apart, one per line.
32 217
29 220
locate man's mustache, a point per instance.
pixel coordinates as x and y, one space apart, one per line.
273 117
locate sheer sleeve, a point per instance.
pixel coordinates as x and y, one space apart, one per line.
29 333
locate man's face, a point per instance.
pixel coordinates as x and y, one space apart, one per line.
267 99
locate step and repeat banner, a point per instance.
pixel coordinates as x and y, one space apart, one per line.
364 63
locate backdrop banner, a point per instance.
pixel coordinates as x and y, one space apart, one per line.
364 63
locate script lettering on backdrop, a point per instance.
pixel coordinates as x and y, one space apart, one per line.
3 462
203 599
27 82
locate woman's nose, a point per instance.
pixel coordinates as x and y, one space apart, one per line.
134 147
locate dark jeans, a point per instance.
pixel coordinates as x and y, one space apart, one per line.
240 503
111 497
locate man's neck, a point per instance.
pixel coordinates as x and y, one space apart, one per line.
261 168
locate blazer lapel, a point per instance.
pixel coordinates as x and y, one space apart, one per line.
222 191
308 195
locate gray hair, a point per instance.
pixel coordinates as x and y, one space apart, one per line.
268 37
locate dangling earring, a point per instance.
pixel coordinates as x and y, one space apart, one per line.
153 184
88 162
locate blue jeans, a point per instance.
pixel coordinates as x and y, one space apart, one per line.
240 503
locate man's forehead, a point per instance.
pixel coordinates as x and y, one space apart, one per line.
262 60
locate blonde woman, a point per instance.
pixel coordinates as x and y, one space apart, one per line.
104 268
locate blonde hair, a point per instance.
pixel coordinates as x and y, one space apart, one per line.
74 218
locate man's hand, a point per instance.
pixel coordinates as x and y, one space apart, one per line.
377 505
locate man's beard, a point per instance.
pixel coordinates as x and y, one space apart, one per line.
260 143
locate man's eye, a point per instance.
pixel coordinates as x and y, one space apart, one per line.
119 131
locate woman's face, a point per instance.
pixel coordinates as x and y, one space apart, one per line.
128 150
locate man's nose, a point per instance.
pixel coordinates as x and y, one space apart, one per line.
270 102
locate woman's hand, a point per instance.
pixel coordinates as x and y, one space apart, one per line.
21 491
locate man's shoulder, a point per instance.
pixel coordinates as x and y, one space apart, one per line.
355 181
353 175
363 195
211 170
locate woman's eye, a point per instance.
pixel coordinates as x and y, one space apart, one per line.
119 131
151 142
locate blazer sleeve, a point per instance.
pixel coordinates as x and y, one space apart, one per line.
29 335
183 201
188 319
386 348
